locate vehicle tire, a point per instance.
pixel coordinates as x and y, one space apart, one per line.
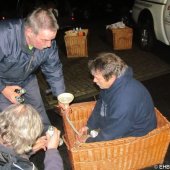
146 37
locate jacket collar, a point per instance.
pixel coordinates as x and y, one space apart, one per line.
24 45
6 150
120 81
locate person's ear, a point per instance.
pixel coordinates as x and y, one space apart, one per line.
113 78
29 31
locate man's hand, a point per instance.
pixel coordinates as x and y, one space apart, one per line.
49 141
83 130
41 143
83 134
62 108
10 94
53 140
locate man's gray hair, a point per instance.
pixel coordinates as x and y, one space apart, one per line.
108 64
42 18
20 126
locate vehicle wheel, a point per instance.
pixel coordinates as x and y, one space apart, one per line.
146 37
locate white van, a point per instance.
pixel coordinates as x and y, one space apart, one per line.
152 18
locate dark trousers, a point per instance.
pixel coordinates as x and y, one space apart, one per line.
32 97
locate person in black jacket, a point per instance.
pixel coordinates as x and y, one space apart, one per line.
20 130
26 45
124 108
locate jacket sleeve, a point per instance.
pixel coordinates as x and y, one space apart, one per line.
2 85
92 122
116 126
53 160
118 121
52 69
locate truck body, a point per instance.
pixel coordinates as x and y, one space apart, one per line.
152 18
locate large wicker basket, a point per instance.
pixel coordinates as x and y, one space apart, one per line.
121 154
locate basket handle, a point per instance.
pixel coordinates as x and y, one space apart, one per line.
71 124
63 137
76 144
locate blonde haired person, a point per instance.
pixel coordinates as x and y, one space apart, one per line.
20 130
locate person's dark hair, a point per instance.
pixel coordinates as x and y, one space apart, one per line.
42 18
108 64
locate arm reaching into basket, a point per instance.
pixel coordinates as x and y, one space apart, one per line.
83 134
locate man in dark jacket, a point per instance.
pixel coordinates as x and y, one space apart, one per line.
124 108
26 45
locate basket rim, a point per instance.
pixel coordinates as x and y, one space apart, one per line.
71 33
119 141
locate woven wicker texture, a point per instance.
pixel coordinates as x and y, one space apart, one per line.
122 38
76 46
120 154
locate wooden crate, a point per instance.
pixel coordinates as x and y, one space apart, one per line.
122 38
76 45
119 154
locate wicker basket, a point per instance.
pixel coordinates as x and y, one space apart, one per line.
76 46
122 38
71 33
120 154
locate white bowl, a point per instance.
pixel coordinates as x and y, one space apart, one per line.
65 98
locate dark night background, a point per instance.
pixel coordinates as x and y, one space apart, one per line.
71 11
